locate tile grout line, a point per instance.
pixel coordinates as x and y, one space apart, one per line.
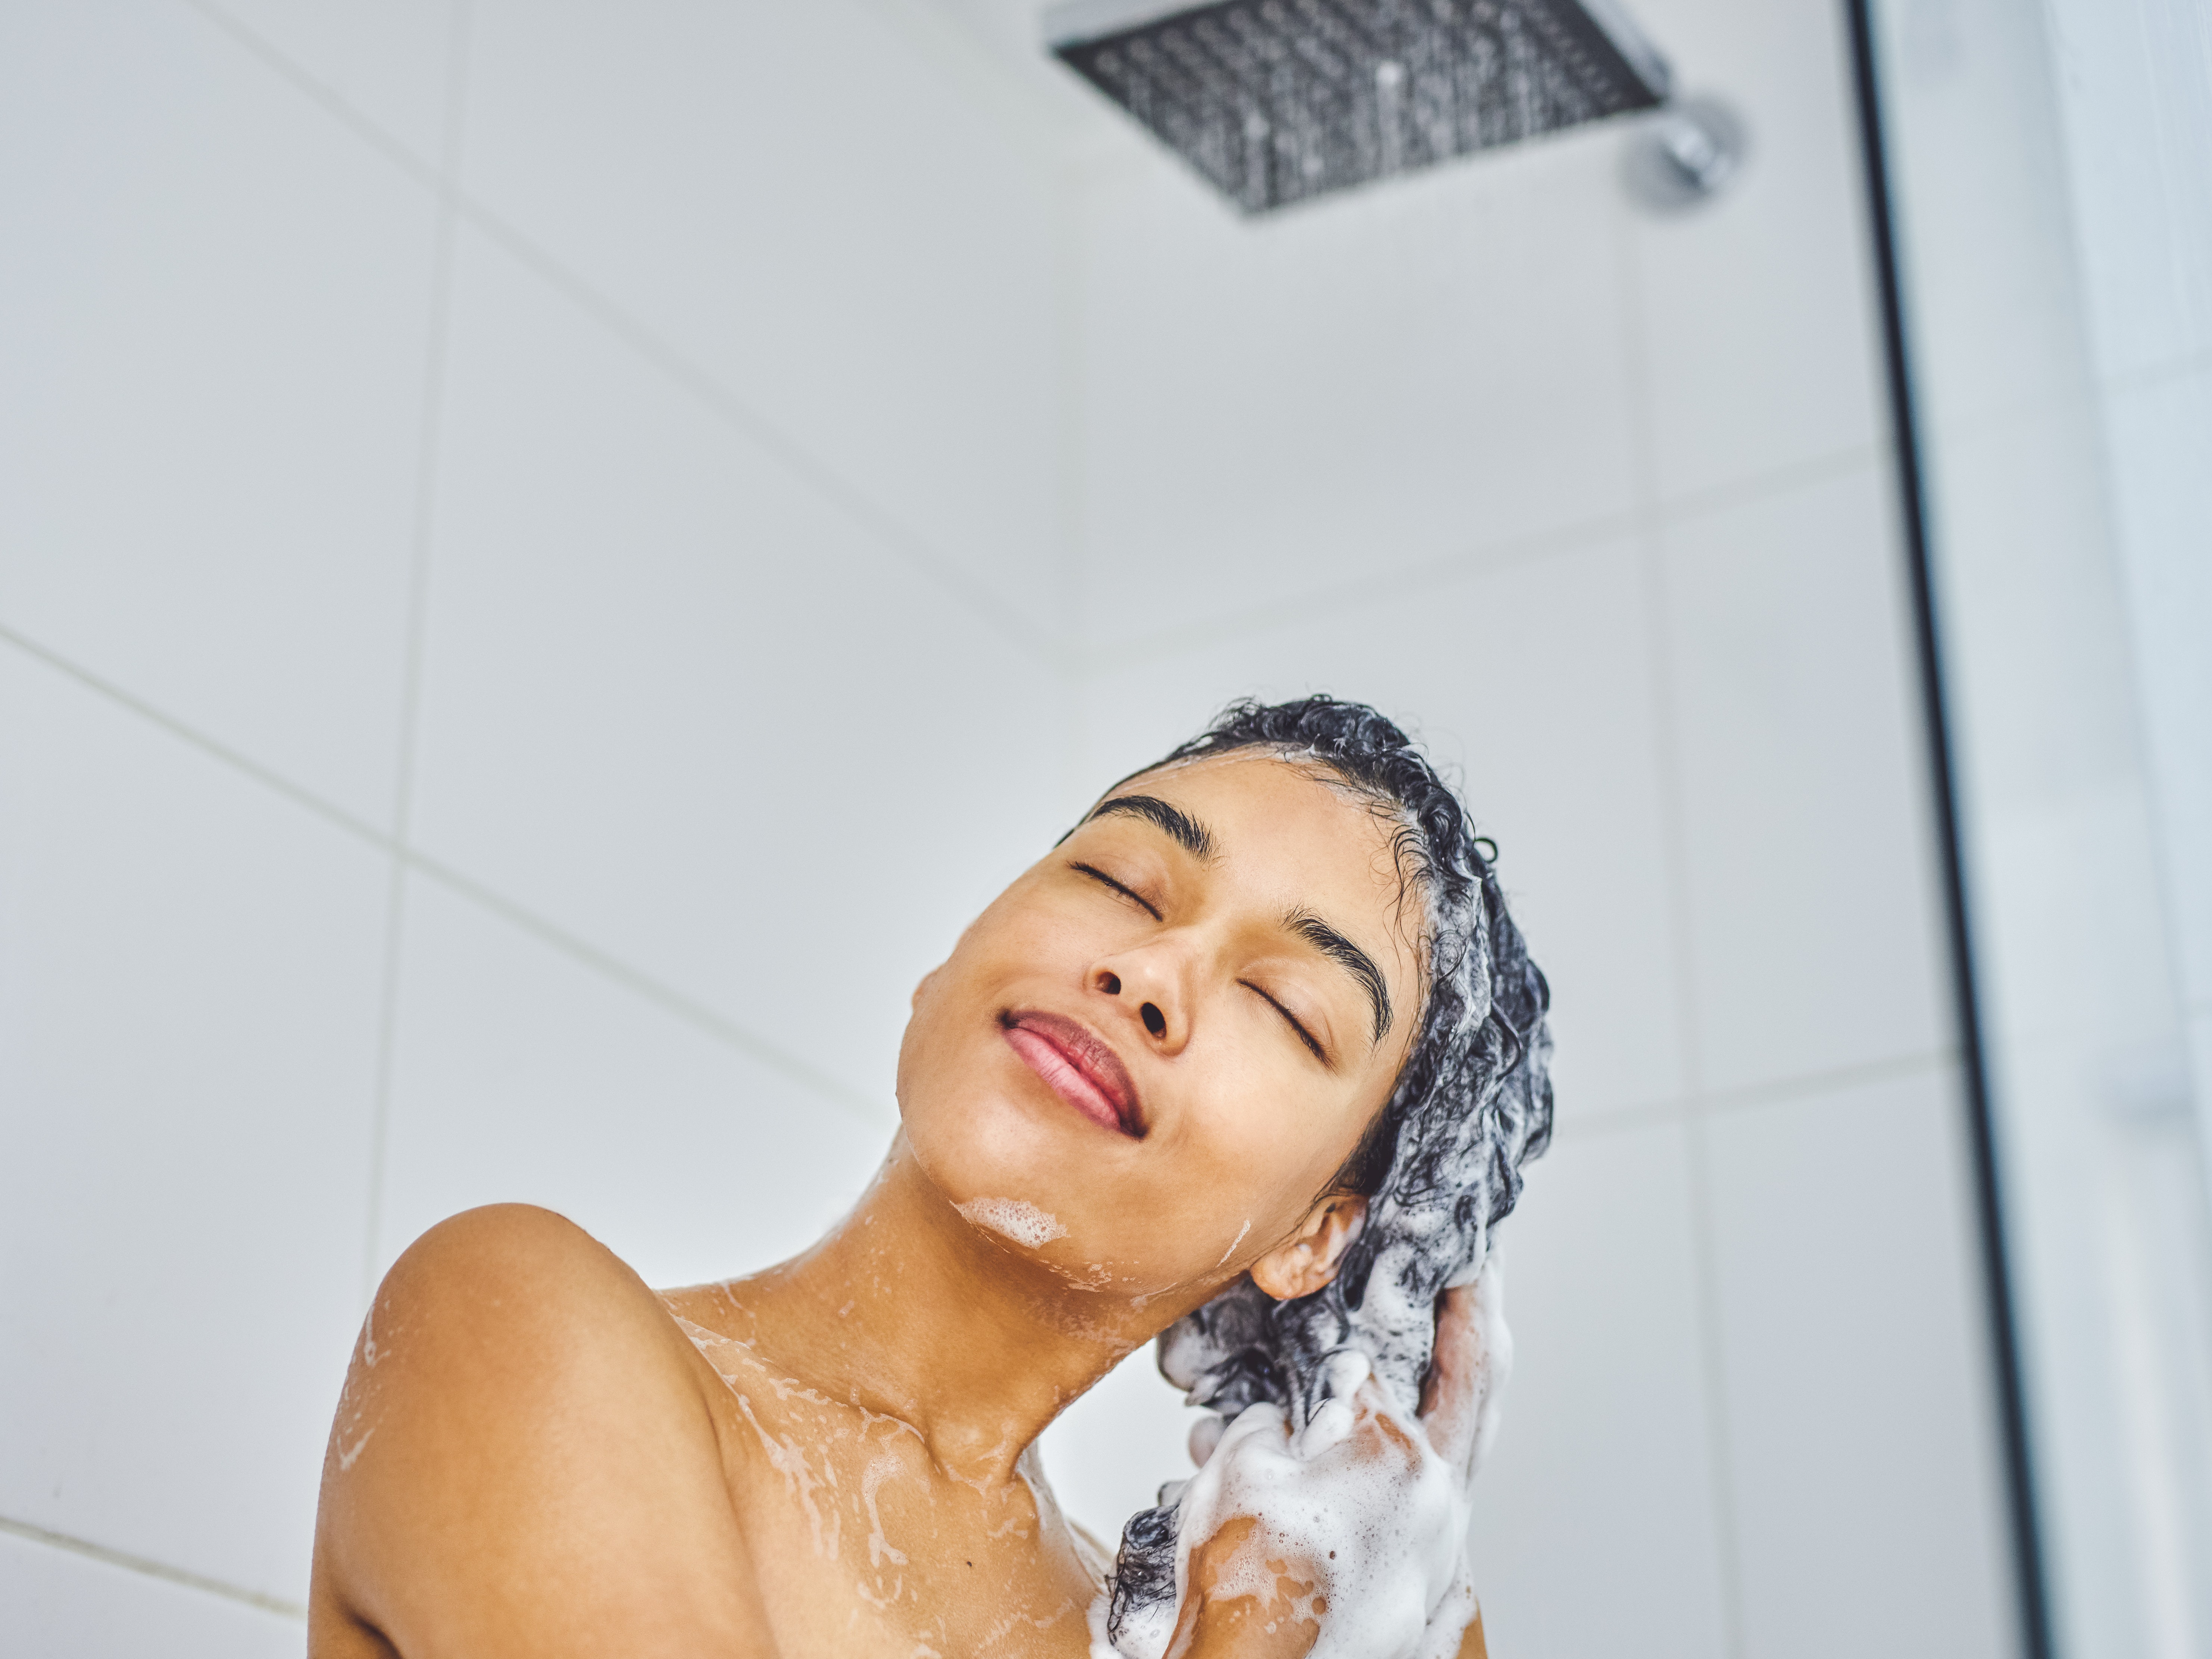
2148 376
877 522
148 1567
419 586
1759 1097
1331 600
1653 521
338 817
1533 548
883 528
671 1001
316 92
666 997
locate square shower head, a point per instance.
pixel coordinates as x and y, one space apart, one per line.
1276 100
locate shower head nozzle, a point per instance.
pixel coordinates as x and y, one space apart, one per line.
1276 100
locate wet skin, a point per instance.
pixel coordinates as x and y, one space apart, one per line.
1162 1039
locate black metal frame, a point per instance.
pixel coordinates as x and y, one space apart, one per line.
2035 1608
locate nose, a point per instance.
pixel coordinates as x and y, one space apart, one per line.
1149 991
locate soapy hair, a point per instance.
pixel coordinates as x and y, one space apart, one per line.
1441 1162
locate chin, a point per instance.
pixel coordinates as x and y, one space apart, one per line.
980 1143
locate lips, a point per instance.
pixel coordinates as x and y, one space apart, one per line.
1078 1066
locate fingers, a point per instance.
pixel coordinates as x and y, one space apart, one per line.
1338 1412
1239 1607
1473 1353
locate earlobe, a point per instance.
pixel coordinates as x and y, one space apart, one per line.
1309 1260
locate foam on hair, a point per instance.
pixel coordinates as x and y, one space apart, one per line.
1472 1103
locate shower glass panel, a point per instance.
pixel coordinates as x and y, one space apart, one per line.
2049 172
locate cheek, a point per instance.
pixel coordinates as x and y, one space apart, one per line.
1262 1147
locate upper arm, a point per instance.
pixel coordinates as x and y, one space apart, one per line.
523 1461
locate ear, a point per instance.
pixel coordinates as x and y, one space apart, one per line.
1309 1258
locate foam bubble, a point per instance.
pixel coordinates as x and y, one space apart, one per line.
1014 1218
1374 1533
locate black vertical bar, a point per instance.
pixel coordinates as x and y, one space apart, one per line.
2027 1552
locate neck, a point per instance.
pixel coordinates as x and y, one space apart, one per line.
906 1309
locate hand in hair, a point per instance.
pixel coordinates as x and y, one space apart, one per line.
1361 1517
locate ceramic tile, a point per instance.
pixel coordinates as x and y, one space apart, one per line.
1978 172
796 202
2048 717
1862 1424
390 60
1756 311
1534 683
188 1018
2199 1038
521 1075
1348 390
2034 618
1596 1530
2135 107
212 389
678 704
2160 436
1814 920
62 1605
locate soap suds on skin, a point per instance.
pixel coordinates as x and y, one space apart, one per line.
1378 1530
1235 1241
1014 1218
348 1459
805 1446
358 1395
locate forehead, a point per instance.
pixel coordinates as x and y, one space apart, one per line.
1290 832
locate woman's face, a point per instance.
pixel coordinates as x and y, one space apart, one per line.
1144 1061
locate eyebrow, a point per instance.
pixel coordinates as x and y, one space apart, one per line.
1188 832
1347 955
1197 840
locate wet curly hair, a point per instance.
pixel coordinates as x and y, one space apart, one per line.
1441 1162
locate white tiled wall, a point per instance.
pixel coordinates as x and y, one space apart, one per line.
1811 913
194 964
217 316
1415 375
1755 317
788 202
1607 1451
676 697
61 1604
521 1073
505 514
1859 1451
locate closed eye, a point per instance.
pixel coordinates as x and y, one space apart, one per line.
1304 1036
1130 893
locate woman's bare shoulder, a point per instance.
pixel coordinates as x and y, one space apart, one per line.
524 1461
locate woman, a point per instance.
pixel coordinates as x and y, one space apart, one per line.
1156 1087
